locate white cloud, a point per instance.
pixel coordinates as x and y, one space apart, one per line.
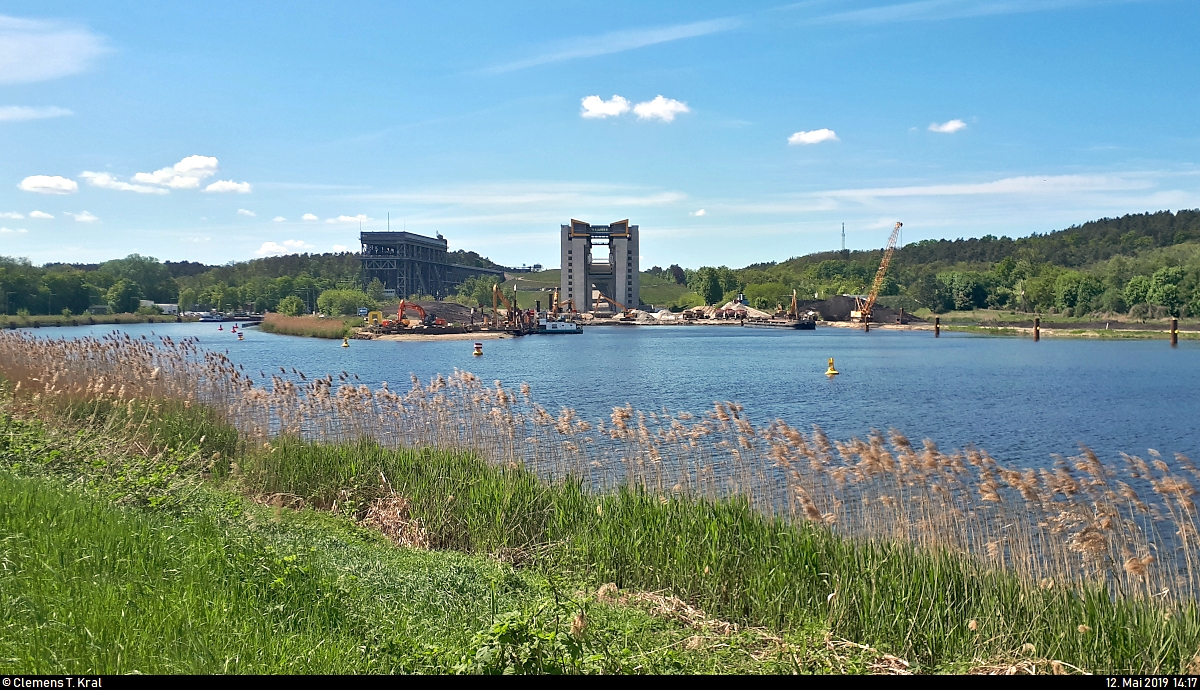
618 41
229 186
40 214
309 216
84 217
596 107
815 136
32 50
109 181
699 213
947 127
360 218
278 219
287 247
660 108
186 174
248 214
18 113
8 230
9 214
48 184
339 248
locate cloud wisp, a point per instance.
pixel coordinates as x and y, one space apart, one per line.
1027 184
947 127
246 213
938 10
360 218
33 50
278 219
109 181
617 42
188 173
286 247
48 184
20 113
815 136
83 217
309 216
698 214
40 214
11 215
5 231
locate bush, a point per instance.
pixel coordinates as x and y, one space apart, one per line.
344 302
291 306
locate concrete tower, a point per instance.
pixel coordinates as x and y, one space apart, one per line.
587 271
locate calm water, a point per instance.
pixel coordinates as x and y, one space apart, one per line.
1019 400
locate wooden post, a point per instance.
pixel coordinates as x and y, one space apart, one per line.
901 316
1037 328
1174 331
937 326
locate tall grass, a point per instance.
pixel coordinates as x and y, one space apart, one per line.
932 606
936 554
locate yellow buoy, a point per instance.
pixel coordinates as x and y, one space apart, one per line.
831 371
478 350
346 343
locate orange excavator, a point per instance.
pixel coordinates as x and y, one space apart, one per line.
426 319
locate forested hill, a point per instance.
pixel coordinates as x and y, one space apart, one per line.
1075 247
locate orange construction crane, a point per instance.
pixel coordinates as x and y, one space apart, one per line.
865 307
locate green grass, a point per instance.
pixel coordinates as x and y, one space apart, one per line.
210 583
530 287
738 565
88 529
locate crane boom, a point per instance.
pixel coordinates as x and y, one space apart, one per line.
865 308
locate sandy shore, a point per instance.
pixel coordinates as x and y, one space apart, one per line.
421 337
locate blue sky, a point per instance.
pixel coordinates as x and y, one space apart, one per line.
731 133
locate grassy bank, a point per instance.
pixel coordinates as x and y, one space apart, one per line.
119 563
950 560
310 326
303 581
58 320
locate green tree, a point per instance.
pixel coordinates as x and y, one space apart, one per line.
1137 290
123 296
706 282
1075 291
187 299
290 306
153 277
344 302
375 289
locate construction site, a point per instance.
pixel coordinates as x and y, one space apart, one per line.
598 261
